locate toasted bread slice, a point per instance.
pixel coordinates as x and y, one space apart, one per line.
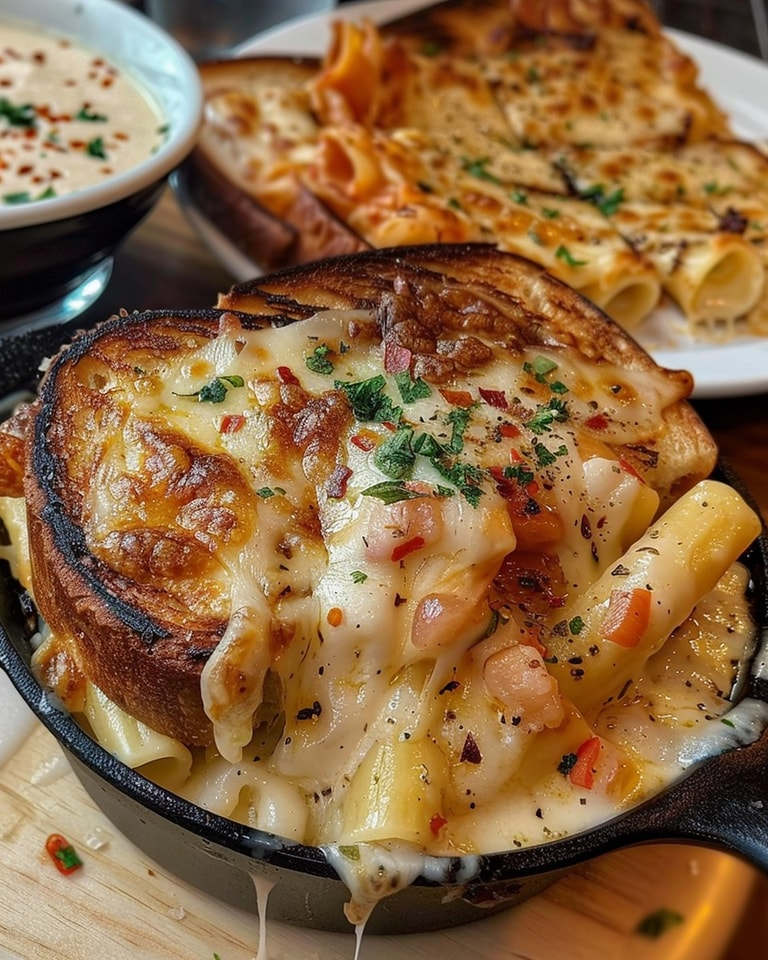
180 465
258 111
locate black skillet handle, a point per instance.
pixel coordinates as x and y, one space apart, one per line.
723 804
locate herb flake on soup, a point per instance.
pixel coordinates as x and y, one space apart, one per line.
69 118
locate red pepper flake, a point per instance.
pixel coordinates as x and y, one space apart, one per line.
62 853
598 422
286 375
457 398
628 468
495 398
583 771
397 359
364 440
436 823
403 549
337 482
231 423
335 616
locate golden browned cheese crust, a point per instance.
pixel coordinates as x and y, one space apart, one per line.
136 513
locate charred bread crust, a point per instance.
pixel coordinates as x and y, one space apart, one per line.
130 639
129 609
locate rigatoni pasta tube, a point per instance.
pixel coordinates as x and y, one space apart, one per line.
134 743
607 635
711 273
395 793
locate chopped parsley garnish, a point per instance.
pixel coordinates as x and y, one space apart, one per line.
519 196
522 474
576 625
658 922
368 400
84 114
318 361
358 576
478 168
265 493
564 254
714 189
606 203
24 196
391 491
95 148
428 447
546 457
395 457
554 412
540 368
216 390
412 390
459 420
465 477
21 116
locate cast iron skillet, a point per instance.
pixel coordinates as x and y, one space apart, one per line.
722 803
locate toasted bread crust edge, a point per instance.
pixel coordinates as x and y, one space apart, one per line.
132 657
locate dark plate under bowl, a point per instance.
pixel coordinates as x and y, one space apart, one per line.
720 803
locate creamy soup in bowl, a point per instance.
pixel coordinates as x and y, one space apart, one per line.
97 107
69 117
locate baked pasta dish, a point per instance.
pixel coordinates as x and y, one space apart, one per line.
402 553
575 134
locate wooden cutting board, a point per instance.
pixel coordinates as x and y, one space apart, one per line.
121 906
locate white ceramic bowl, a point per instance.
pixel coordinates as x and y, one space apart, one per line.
55 255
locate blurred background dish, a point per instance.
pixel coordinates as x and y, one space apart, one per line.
738 366
211 28
56 247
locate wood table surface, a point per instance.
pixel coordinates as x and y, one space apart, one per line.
165 264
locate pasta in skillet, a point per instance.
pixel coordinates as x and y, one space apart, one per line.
388 553
484 574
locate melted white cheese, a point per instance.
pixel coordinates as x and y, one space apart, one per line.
388 666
